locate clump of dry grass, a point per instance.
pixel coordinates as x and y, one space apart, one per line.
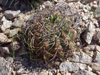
49 35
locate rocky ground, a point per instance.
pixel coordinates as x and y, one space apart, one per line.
85 16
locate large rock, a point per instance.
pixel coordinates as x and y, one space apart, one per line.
69 66
84 72
81 57
6 24
11 14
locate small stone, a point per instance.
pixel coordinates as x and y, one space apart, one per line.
97 12
10 60
80 57
0 9
47 4
97 59
14 46
88 35
95 6
58 74
69 66
18 23
91 27
27 17
97 48
4 38
85 10
5 67
13 32
55 1
33 73
82 66
92 47
89 68
7 31
57 63
84 72
81 6
67 73
98 36
4 50
95 66
11 14
96 23
98 72
44 72
21 16
88 8
20 70
85 18
1 15
6 24
94 2
78 43
89 50
49 73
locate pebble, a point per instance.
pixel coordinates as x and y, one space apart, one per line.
97 12
11 14
21 69
89 68
58 74
69 66
82 66
4 38
49 73
14 46
78 43
80 57
85 18
18 23
5 67
97 59
85 10
13 32
6 24
1 9
4 50
44 72
98 36
95 66
97 47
